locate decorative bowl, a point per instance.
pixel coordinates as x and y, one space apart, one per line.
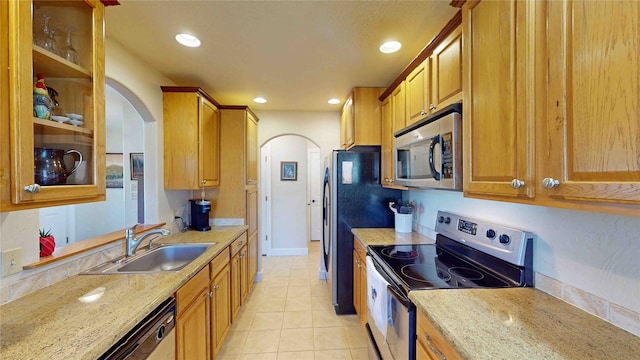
75 116
60 119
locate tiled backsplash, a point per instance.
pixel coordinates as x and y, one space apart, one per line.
32 280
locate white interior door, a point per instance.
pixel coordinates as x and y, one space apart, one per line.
56 219
264 228
315 195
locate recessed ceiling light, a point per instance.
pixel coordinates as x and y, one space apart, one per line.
390 47
188 40
334 101
260 100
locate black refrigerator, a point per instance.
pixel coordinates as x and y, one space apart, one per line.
353 198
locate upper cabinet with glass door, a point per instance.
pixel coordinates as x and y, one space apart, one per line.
57 110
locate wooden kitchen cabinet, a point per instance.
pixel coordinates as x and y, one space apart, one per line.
80 86
191 139
193 318
360 280
418 93
239 273
386 158
252 232
498 92
446 71
398 96
430 342
589 147
220 293
252 149
567 137
360 118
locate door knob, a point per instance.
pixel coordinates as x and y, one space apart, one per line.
517 184
550 183
33 188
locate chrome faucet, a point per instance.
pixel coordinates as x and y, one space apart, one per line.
132 242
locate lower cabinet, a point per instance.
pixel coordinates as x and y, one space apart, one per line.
431 345
209 302
360 280
239 273
192 319
220 293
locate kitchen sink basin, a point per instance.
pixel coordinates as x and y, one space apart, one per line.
164 258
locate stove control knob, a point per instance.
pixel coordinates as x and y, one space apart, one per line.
491 233
447 220
505 239
440 219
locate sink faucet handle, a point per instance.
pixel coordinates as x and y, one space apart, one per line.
131 232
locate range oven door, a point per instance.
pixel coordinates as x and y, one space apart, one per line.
397 344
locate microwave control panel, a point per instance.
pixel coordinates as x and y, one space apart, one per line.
447 155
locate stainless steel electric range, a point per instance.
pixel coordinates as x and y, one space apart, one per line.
466 253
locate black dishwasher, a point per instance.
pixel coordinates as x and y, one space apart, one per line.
140 342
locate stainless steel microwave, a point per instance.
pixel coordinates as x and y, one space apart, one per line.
428 154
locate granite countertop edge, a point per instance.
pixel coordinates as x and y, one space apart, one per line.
51 323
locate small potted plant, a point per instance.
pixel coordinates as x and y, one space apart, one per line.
47 243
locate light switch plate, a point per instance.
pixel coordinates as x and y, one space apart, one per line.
11 261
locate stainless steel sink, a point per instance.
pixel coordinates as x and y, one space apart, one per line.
164 258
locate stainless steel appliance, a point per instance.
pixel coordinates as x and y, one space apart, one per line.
353 198
428 154
152 338
466 253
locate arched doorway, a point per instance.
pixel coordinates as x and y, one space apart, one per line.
291 208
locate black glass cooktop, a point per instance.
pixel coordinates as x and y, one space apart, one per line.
431 266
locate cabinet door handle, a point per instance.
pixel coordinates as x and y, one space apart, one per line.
550 183
432 107
517 183
216 287
423 112
33 188
210 294
432 348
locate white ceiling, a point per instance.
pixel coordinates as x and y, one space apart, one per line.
296 54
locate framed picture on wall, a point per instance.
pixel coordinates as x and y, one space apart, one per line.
288 170
137 165
115 177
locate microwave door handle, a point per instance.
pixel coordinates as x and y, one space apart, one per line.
436 140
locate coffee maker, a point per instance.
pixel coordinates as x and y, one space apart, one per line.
200 209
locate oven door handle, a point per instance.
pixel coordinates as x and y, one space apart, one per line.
401 299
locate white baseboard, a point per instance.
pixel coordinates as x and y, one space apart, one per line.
290 252
258 277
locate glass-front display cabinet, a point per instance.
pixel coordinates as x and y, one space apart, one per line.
57 110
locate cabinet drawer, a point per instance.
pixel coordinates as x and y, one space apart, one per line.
219 262
431 339
238 243
190 291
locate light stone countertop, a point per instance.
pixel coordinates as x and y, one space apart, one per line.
515 323
51 323
521 323
388 236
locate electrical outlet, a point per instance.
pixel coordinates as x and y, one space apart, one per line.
11 261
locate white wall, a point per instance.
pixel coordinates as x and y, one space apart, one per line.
323 128
289 198
594 252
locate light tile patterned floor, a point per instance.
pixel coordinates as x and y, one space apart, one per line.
289 316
